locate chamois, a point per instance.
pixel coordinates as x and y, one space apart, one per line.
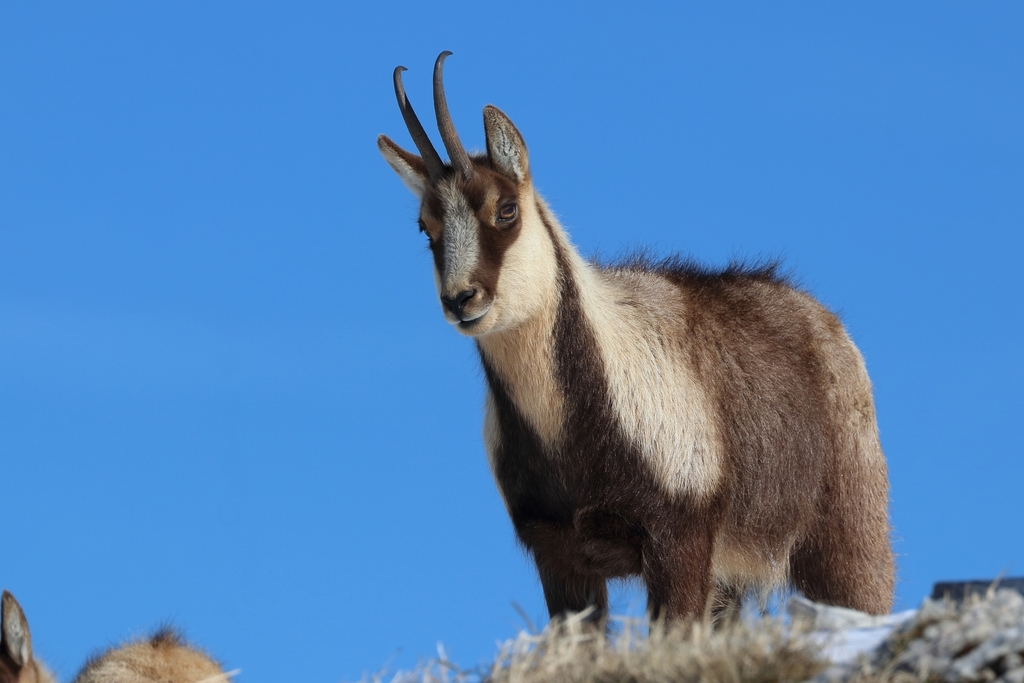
17 663
710 431
164 657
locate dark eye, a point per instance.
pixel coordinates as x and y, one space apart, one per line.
423 226
508 211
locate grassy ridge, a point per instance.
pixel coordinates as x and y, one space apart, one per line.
573 651
979 640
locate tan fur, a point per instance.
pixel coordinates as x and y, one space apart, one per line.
520 333
737 564
403 164
18 663
533 387
663 409
492 437
163 658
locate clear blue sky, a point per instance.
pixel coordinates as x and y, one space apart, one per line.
228 397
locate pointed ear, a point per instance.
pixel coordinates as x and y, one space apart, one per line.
505 145
14 636
409 167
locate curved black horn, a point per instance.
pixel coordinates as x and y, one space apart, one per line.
456 152
435 167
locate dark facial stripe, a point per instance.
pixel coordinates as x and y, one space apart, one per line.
432 214
493 241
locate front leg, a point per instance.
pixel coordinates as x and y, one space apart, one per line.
560 561
565 594
677 570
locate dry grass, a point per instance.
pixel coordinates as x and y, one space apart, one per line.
887 668
761 651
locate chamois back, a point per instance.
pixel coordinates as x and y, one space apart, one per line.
164 657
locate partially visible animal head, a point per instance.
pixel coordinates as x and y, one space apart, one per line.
494 262
17 664
165 657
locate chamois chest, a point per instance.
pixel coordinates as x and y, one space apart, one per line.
587 466
579 494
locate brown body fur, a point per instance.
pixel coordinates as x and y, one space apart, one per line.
711 432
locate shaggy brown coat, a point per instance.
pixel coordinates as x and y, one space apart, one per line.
712 432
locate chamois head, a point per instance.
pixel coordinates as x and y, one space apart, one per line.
165 656
493 258
16 662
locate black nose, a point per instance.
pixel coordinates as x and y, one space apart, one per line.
455 304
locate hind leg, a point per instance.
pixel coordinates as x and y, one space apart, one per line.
854 572
677 571
846 558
